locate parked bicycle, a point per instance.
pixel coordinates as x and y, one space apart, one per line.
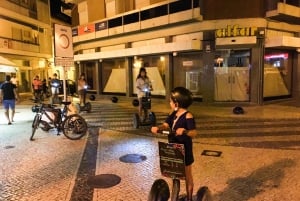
49 117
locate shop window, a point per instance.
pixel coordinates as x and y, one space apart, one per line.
178 6
277 74
154 12
115 22
155 67
191 66
131 18
113 76
192 81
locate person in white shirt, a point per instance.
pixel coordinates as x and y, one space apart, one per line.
142 83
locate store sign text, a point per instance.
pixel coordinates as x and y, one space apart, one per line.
235 30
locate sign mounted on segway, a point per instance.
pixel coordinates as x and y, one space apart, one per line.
172 165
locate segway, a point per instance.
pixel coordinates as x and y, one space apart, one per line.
55 98
149 117
172 165
86 107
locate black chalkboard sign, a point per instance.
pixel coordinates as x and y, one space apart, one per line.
171 157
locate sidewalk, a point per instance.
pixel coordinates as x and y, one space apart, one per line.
252 168
286 109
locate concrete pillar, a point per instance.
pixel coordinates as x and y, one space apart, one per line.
207 80
169 75
296 76
128 71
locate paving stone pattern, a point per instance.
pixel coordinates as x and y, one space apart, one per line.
259 161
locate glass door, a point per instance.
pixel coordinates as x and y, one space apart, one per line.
232 75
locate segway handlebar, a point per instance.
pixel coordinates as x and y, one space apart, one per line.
164 132
171 135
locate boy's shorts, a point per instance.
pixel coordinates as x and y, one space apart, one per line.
9 104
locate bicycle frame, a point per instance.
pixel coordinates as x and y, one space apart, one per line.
55 120
73 126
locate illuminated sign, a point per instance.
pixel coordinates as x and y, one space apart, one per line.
63 41
277 56
235 30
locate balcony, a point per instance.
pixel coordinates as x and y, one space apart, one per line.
285 13
147 18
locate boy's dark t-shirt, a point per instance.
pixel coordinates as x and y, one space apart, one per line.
8 91
188 124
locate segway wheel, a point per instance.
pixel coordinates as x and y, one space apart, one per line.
92 97
136 121
159 191
88 107
114 99
152 118
204 194
135 102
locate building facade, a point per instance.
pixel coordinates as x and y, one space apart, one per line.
26 39
27 42
248 52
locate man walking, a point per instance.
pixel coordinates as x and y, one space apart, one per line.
8 96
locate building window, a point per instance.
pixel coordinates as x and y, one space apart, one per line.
277 74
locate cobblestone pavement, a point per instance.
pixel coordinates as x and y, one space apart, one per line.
259 160
239 174
43 169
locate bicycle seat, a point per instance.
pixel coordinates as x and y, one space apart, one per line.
66 102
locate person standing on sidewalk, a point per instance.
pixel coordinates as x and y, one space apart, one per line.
8 96
55 85
182 124
82 87
37 87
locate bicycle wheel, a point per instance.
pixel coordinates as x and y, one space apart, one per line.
44 125
35 124
175 189
74 127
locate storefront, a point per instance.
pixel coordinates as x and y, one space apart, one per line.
250 67
234 63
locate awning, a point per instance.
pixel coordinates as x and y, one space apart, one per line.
7 66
